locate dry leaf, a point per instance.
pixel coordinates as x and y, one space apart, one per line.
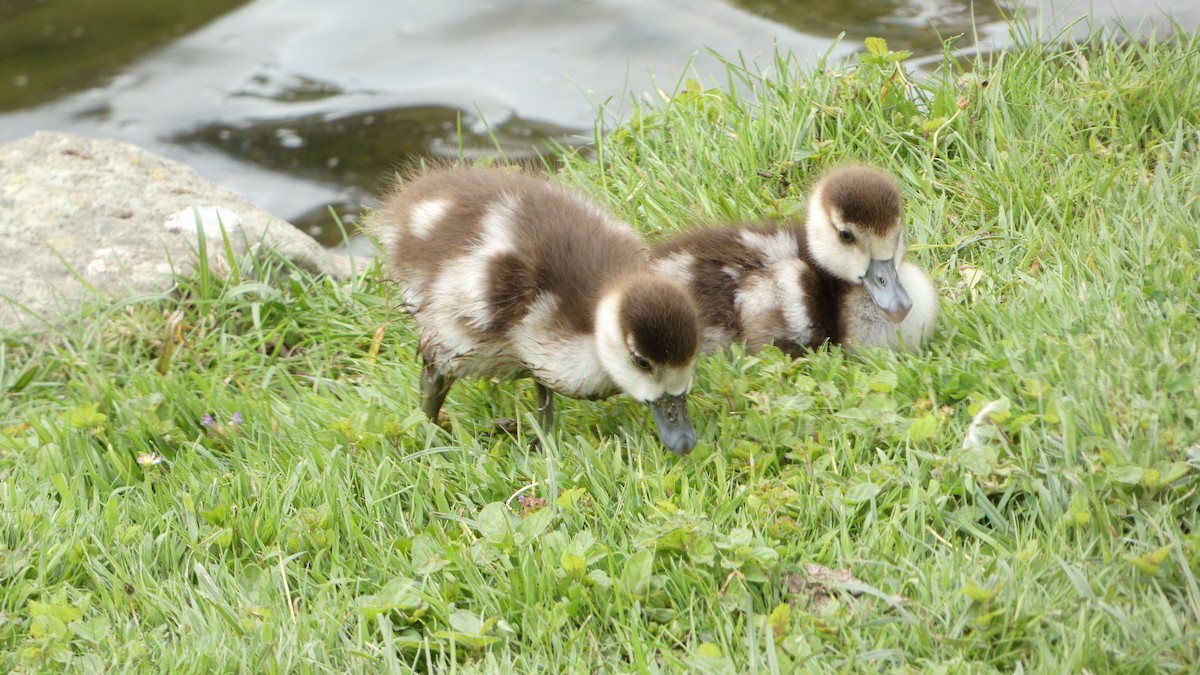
814 589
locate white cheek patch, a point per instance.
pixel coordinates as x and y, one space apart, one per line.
614 354
629 346
847 262
676 381
424 217
887 247
837 220
901 246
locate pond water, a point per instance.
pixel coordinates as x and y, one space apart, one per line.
305 104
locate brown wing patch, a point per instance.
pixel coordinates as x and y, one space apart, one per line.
822 300
721 261
574 251
510 292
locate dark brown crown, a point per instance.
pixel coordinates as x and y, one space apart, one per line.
662 320
864 196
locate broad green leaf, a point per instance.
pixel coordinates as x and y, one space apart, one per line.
702 551
93 630
426 555
635 578
959 385
980 461
492 522
399 595
573 565
60 610
1127 474
600 578
793 403
922 428
46 626
861 492
875 402
980 594
1080 512
535 523
931 125
740 536
883 382
571 499
86 417
463 621
677 539
462 639
1163 475
876 46
1150 562
218 515
780 620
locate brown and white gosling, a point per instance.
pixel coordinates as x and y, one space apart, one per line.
840 278
509 276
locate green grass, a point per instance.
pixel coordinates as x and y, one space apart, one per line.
1023 496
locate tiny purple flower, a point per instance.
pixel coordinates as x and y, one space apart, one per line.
208 421
237 418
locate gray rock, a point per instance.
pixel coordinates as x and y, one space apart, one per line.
84 216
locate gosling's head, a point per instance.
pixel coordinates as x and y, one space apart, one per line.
855 231
648 336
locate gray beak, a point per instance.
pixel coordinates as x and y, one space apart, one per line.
674 424
883 285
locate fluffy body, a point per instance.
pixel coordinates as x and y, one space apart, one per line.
801 286
508 276
865 326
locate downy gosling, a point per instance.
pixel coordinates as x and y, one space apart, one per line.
840 278
509 276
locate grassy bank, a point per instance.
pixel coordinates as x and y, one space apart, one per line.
1023 496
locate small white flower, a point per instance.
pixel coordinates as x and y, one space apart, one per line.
148 459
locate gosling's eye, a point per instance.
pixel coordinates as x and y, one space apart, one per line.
846 236
642 363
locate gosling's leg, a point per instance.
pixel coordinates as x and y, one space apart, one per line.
545 407
434 387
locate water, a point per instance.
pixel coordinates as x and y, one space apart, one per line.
305 104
